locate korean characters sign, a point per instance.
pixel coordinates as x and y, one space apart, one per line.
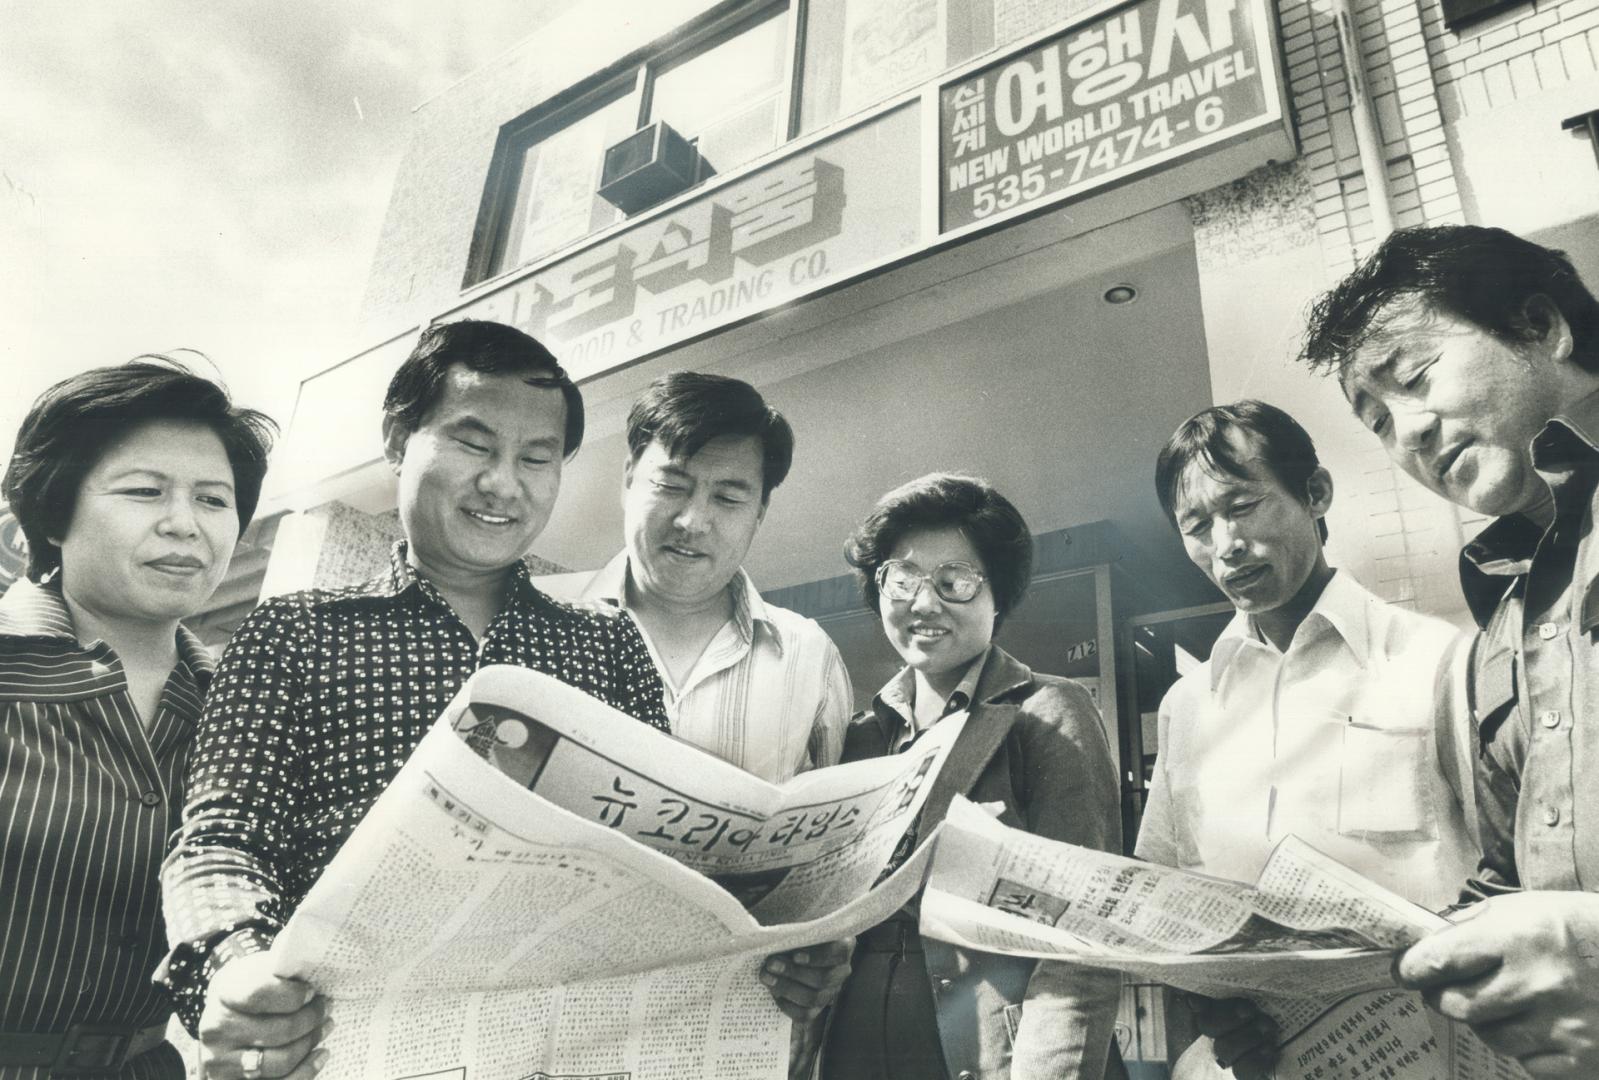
1102 101
782 232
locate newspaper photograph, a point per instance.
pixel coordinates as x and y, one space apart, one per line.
1311 942
533 895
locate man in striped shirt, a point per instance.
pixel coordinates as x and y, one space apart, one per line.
755 684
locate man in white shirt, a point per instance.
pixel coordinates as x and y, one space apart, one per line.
1315 714
755 684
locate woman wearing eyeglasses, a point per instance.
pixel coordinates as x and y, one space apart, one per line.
942 560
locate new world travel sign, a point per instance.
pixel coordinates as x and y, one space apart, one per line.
1101 102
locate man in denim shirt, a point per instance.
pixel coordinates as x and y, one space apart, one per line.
1473 355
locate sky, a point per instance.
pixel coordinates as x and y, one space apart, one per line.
209 175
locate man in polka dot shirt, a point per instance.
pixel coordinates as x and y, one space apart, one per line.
322 695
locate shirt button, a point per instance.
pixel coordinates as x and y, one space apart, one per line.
1547 630
944 984
151 798
1551 815
1549 718
966 1074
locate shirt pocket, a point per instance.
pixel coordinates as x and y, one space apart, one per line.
1385 782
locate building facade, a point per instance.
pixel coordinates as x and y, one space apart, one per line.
1011 237
1019 238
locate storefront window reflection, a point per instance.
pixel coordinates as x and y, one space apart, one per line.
555 200
729 96
860 52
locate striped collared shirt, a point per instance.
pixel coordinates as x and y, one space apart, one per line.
770 693
320 698
88 797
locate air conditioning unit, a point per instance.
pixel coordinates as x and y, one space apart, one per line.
652 164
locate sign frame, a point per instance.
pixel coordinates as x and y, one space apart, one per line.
1278 114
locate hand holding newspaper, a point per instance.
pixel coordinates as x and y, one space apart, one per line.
550 888
1311 941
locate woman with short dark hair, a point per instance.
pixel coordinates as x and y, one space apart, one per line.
942 560
132 485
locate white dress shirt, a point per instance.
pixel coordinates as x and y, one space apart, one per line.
770 693
1333 740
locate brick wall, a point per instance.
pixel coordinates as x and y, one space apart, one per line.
1514 55
1409 118
1398 538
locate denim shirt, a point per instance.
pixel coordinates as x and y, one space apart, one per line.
1535 672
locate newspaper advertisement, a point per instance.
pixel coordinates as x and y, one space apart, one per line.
538 893
1311 942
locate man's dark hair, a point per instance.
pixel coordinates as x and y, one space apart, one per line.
948 500
684 410
489 348
1284 446
73 424
1479 275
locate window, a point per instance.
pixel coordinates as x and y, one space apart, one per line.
725 86
733 85
1459 14
555 199
861 52
729 96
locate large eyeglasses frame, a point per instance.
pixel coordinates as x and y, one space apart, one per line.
906 587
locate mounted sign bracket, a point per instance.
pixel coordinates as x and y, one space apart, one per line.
1589 122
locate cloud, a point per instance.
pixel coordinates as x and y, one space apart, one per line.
188 173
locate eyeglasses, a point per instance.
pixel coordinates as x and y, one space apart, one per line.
956 582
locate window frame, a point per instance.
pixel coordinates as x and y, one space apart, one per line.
1462 14
632 76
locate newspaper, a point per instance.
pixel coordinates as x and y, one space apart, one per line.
1312 942
551 889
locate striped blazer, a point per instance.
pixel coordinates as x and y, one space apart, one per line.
88 797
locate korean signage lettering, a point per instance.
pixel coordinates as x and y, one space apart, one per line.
1102 101
782 232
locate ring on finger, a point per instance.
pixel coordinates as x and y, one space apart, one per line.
250 1062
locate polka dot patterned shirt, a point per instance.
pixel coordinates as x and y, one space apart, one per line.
319 699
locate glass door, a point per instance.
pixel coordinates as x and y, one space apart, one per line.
1163 648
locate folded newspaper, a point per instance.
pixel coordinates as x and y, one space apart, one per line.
1311 941
550 888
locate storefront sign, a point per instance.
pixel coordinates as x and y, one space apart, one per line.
1102 101
780 233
